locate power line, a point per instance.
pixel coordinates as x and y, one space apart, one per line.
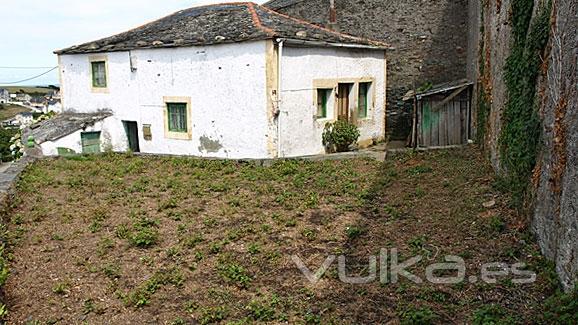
28 79
25 67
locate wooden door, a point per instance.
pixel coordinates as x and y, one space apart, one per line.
343 92
90 142
131 130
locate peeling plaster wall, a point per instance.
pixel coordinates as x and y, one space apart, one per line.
226 85
301 131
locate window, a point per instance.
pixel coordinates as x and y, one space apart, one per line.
98 74
177 117
363 99
323 97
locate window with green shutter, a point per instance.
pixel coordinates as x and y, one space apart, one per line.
177 117
98 74
363 99
323 97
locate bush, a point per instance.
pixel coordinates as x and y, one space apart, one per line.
6 136
338 136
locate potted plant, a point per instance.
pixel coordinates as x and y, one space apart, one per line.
338 136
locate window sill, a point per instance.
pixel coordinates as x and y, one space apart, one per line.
178 135
100 90
324 120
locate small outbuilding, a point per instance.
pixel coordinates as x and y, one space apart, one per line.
442 115
231 80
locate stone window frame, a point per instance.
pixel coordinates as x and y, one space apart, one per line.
99 58
188 135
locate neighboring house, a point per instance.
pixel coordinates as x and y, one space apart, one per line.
24 118
4 96
435 42
53 105
23 98
229 80
38 102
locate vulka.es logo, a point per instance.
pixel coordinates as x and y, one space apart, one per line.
392 271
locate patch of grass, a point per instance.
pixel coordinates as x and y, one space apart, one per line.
211 315
354 232
104 246
60 288
417 316
145 233
112 271
141 296
492 314
496 225
562 308
309 233
254 248
263 310
419 170
235 274
417 244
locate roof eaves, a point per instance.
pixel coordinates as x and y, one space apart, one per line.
299 42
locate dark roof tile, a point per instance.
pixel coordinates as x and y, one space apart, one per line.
216 24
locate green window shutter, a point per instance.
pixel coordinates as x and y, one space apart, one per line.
177 117
98 74
90 142
363 99
323 96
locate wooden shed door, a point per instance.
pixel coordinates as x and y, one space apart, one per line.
343 92
90 142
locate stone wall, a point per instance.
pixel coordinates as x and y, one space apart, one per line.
553 201
556 201
429 38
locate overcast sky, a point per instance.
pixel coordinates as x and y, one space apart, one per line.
33 29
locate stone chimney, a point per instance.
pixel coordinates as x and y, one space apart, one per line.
332 16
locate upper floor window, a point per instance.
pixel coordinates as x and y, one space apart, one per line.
98 74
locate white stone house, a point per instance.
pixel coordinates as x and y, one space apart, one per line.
229 81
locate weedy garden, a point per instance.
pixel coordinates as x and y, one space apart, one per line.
123 239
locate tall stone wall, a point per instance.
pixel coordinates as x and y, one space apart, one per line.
556 202
553 201
429 37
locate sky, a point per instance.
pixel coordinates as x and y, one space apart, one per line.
33 29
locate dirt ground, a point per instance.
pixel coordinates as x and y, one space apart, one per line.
119 239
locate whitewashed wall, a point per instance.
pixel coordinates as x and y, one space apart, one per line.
301 131
226 84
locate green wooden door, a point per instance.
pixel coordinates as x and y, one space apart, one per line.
90 142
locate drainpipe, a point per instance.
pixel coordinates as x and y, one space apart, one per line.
280 41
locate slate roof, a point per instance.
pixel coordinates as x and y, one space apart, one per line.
62 125
280 4
217 24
